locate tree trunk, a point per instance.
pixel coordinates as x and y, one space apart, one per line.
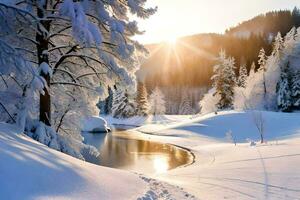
42 53
261 138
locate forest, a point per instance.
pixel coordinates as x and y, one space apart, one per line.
190 61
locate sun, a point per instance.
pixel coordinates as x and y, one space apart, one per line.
171 40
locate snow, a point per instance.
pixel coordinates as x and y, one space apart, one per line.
240 123
94 124
45 68
221 170
225 171
30 170
153 121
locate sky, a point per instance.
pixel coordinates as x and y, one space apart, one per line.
176 18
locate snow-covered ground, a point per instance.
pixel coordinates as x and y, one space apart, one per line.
225 171
143 121
29 170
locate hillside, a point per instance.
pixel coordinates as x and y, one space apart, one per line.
189 62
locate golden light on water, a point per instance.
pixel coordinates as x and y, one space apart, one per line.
161 164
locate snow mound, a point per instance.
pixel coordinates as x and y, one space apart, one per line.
242 125
94 124
30 170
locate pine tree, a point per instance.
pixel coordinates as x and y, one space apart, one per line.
284 100
157 102
109 101
289 41
142 100
105 105
185 107
102 107
252 70
262 61
296 16
224 81
243 74
295 90
122 106
277 46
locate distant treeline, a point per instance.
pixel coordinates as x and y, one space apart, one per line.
190 61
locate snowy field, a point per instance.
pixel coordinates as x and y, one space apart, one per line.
225 171
29 170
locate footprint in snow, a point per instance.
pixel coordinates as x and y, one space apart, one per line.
163 191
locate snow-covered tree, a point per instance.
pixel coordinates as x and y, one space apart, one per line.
209 102
289 41
64 36
122 105
284 99
142 100
277 46
157 102
243 74
252 69
224 80
185 107
295 90
105 105
67 48
263 86
262 59
20 82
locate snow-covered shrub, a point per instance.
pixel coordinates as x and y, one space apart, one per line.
60 142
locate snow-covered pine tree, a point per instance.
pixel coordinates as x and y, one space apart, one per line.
185 107
252 69
278 46
157 102
262 60
109 100
102 107
106 104
295 90
243 74
284 99
122 105
289 41
142 100
224 80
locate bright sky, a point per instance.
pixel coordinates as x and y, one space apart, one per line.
177 18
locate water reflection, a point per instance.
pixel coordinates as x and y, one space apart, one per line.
136 155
